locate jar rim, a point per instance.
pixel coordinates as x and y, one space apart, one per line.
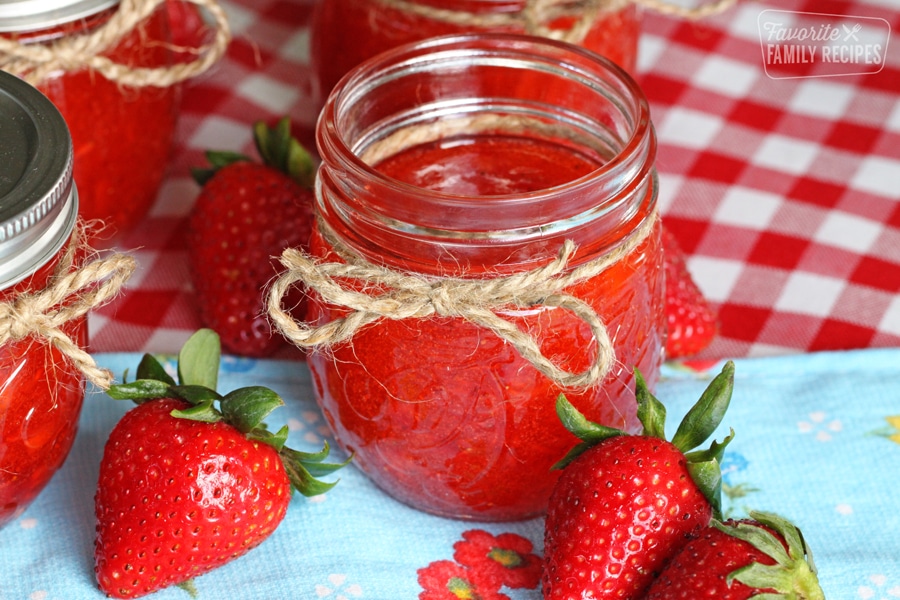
38 200
27 15
360 77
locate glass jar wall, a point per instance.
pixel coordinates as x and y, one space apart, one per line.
122 133
455 172
346 32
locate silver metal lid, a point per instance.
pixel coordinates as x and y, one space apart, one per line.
28 15
38 199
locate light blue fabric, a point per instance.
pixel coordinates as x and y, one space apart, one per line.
813 444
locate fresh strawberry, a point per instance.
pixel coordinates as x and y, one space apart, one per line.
186 487
764 557
246 214
692 322
624 504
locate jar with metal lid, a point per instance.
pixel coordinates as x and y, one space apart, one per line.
43 323
487 239
109 68
346 32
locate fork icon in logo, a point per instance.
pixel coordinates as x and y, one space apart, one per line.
851 33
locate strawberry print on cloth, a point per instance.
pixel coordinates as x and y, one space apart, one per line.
483 564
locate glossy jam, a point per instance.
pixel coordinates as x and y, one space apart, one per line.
346 32
444 415
122 135
41 394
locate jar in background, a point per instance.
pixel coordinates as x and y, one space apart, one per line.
41 391
452 168
122 131
346 32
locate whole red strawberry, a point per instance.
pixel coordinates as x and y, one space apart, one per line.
761 557
692 322
625 504
185 487
245 215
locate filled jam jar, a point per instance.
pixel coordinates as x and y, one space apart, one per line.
346 32
484 202
122 133
41 392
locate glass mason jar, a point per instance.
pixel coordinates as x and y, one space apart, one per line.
123 134
346 32
41 392
455 172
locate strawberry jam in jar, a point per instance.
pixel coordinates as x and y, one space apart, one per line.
122 132
346 32
487 240
41 392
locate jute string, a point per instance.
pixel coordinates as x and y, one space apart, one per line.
36 61
73 290
408 295
537 16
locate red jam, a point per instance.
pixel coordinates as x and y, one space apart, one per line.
346 32
442 413
459 165
122 135
41 393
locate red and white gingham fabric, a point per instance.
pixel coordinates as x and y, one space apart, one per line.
785 193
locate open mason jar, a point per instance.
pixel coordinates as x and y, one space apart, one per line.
346 32
487 239
43 322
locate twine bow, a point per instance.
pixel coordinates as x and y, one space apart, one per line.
70 294
405 295
34 62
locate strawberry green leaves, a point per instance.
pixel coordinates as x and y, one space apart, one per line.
695 428
705 416
198 360
276 147
245 408
763 557
588 432
793 576
279 149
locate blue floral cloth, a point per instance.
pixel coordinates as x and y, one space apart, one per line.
817 441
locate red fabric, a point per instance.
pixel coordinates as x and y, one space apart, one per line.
785 193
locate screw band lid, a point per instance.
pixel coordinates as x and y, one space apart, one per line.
38 198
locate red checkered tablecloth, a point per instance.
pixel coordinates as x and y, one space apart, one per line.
782 184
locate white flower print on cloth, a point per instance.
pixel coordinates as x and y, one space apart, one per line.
821 426
337 590
312 425
879 588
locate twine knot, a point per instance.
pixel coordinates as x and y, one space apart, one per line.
34 62
373 292
70 294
